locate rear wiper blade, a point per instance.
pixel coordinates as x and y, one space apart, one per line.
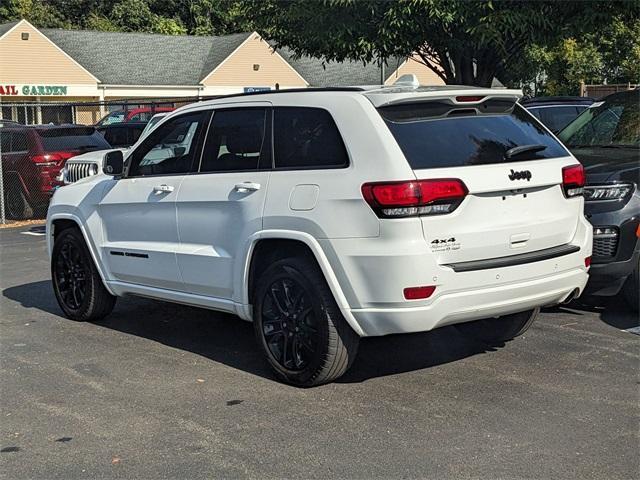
512 152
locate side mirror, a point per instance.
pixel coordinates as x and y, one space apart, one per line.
113 162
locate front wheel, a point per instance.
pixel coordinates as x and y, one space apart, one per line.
299 326
501 329
76 281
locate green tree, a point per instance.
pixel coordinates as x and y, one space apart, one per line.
467 42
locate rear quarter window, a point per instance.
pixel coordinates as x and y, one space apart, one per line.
307 138
435 135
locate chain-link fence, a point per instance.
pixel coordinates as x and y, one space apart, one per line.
38 137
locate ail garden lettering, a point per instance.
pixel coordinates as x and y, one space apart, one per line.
34 90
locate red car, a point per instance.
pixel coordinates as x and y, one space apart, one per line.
32 157
141 114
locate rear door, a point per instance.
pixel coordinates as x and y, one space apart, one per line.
515 202
220 205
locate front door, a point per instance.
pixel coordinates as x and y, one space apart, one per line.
138 211
220 205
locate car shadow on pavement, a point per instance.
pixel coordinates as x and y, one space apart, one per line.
613 311
228 340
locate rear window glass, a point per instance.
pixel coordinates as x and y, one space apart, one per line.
434 135
79 138
307 138
557 117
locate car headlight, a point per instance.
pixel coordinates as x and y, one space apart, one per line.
593 193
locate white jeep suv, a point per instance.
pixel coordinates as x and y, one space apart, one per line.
328 215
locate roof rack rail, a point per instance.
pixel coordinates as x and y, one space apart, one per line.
287 90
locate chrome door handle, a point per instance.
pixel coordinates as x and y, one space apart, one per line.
247 187
163 188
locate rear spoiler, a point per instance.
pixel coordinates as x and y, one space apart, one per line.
462 97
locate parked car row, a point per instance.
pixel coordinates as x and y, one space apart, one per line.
33 157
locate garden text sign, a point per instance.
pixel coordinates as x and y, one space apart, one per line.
33 90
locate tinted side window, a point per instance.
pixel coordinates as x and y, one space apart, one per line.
307 138
5 142
236 141
19 142
171 148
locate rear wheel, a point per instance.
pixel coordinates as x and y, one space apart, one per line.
631 288
300 328
76 281
500 329
16 202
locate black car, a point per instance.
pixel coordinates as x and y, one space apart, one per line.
556 112
121 135
606 140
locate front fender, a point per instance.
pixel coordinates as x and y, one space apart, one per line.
74 215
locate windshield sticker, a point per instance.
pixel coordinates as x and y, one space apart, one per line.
596 104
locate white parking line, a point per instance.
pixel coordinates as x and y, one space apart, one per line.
35 234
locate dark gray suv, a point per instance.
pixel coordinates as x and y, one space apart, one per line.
606 140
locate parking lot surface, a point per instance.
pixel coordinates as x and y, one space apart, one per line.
166 391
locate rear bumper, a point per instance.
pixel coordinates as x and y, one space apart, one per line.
373 273
462 306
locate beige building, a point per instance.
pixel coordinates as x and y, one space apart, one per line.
42 66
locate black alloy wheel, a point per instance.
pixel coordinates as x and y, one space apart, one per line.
76 281
299 326
71 277
289 324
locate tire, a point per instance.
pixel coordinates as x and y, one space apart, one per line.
501 329
16 203
76 282
631 288
299 326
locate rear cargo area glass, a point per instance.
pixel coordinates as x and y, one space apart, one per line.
438 134
77 138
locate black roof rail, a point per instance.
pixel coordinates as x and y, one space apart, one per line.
287 90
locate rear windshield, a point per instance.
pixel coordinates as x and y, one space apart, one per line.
77 138
438 134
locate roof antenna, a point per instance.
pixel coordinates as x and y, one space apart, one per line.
407 80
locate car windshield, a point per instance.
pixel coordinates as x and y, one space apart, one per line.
113 117
612 123
154 120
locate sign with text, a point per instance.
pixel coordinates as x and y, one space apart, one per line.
33 90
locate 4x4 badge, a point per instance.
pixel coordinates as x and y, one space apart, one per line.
520 175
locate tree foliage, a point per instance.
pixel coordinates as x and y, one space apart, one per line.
468 42
169 17
554 44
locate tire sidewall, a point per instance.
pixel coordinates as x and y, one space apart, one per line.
74 236
291 269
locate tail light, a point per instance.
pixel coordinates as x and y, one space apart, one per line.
51 159
587 262
573 180
414 198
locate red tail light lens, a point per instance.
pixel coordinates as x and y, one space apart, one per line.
587 262
414 198
52 159
573 180
418 293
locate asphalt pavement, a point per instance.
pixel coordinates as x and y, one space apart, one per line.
166 391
